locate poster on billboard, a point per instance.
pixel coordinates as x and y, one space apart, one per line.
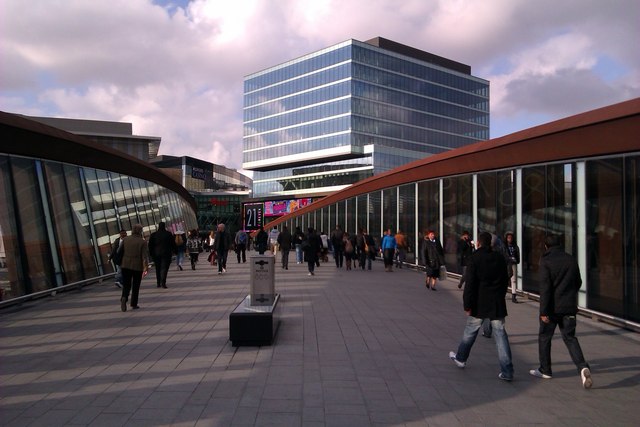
283 207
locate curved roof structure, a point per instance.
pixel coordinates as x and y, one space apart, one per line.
38 140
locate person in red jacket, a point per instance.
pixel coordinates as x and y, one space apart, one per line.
559 286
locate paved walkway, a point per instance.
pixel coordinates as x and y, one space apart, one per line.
355 348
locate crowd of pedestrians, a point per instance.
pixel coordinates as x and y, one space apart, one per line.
488 268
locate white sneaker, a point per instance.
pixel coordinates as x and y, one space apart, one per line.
224 270
310 274
458 363
537 373
585 374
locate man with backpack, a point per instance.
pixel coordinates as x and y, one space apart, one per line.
240 241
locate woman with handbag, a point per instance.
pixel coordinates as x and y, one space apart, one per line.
433 258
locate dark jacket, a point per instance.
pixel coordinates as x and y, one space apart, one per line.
434 254
560 282
465 250
135 253
311 247
486 285
262 241
115 255
512 254
222 241
284 240
162 244
337 237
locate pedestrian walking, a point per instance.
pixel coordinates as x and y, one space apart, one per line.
483 298
388 246
116 257
284 242
559 286
222 245
337 243
162 246
181 248
262 241
433 257
311 247
194 246
241 239
512 255
464 251
135 262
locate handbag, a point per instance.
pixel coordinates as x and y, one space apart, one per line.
443 273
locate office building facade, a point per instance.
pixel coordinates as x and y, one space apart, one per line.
326 120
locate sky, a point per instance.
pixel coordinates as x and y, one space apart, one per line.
175 68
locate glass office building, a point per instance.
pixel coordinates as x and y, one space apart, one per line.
326 120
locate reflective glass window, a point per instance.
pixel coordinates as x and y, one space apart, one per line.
428 212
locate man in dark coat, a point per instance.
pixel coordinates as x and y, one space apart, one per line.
337 243
222 245
559 286
162 246
483 298
311 247
262 241
284 242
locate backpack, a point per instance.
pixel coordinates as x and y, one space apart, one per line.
348 247
242 238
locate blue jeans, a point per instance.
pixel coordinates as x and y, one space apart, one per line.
499 334
118 275
299 258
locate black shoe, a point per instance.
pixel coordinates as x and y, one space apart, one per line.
123 304
164 286
513 299
180 267
135 307
158 286
486 336
459 285
433 288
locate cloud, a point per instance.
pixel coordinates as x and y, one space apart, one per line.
174 68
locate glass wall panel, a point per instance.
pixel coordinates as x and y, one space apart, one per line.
351 219
362 211
31 222
64 228
457 215
632 238
389 209
81 221
375 228
533 225
97 212
406 220
496 203
12 258
547 207
428 211
605 235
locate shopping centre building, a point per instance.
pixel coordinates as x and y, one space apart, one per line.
63 200
578 178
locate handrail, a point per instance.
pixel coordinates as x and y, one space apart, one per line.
53 291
